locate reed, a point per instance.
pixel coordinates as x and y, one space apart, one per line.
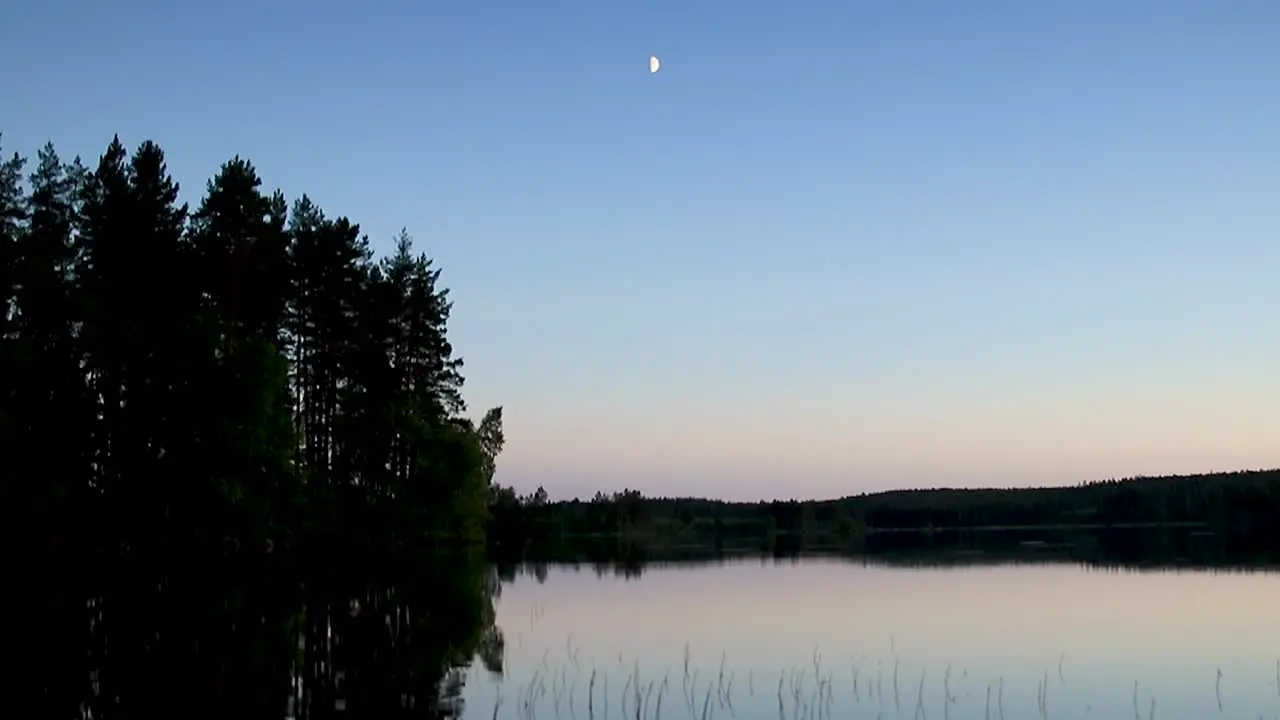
896 704
591 693
807 690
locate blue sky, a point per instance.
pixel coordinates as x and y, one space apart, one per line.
830 247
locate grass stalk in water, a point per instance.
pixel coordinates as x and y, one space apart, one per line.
639 698
591 692
856 696
531 701
796 698
720 680
817 678
829 700
1042 694
684 683
693 696
1000 698
897 706
530 697
657 710
625 689
555 696
920 696
796 680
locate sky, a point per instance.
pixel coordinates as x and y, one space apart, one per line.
833 246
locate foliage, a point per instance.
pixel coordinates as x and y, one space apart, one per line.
1245 502
238 374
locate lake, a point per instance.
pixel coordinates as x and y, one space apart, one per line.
919 628
841 638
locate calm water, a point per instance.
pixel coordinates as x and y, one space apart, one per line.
838 638
915 627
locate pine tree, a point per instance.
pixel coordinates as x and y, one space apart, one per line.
244 373
138 309
239 250
330 262
50 399
13 215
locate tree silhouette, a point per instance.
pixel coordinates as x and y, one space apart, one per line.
238 376
1246 502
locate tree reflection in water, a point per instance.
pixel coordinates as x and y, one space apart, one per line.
266 638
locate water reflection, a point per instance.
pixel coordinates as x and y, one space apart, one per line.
1061 624
910 625
269 639
1120 548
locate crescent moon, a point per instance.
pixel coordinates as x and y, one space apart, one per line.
654 64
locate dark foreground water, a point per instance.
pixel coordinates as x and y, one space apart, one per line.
915 629
268 638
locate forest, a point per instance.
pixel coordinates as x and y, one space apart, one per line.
241 374
1242 503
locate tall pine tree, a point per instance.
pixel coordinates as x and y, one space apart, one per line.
243 373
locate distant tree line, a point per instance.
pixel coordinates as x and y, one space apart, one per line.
243 373
1246 501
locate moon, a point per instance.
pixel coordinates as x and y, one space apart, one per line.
654 65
